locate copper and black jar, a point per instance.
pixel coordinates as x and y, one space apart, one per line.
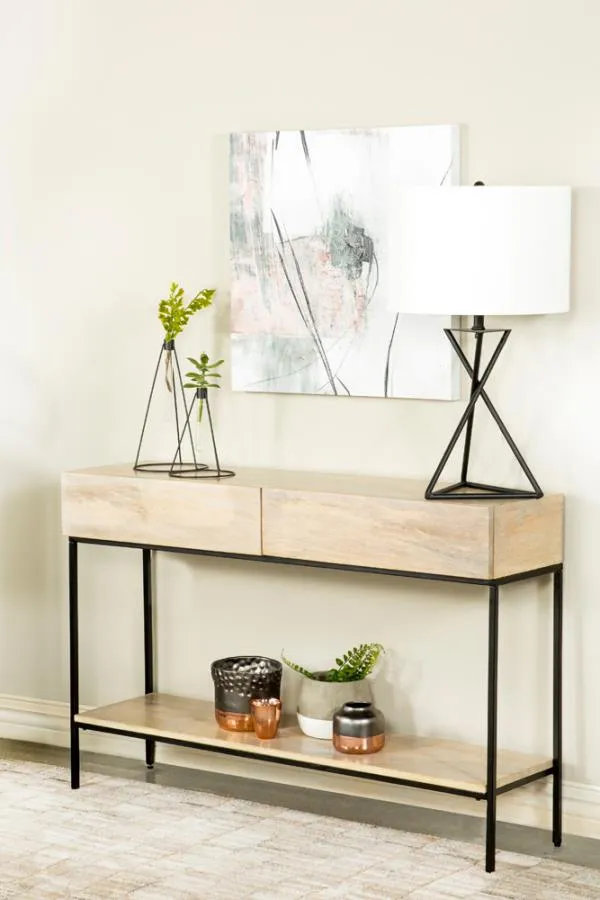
238 680
358 727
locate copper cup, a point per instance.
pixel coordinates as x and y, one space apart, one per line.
266 714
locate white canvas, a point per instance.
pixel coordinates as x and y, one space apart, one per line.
312 263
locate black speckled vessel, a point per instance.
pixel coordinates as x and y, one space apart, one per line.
238 680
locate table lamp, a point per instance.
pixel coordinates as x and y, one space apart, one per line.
480 251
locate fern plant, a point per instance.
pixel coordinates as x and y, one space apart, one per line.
174 313
354 665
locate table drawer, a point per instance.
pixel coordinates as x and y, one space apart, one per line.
378 532
144 509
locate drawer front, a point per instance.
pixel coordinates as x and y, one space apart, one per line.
528 535
383 533
198 515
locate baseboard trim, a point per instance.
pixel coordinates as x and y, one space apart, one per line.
47 722
40 721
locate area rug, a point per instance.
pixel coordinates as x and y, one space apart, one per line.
116 838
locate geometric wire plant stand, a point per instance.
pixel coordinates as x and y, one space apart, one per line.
175 385
465 489
198 470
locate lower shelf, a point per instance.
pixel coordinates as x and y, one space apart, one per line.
439 764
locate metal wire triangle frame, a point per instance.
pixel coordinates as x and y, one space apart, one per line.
198 470
177 387
466 489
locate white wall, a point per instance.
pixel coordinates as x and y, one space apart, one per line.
114 126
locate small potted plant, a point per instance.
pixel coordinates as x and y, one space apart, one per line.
324 691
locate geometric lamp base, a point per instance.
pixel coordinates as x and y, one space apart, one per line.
465 489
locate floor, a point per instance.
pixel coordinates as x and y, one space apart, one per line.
164 836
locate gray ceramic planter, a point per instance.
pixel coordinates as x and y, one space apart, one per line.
318 700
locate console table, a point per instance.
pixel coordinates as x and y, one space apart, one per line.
378 525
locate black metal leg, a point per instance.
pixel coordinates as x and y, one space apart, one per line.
139 449
492 732
212 434
148 644
185 413
177 419
74 663
464 472
557 710
187 427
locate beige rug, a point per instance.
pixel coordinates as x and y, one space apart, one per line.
125 839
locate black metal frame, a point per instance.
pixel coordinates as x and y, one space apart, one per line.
198 470
465 489
493 585
168 347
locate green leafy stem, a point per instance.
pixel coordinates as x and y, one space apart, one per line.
354 665
203 376
174 313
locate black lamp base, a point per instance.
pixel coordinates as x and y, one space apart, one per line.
471 490
465 489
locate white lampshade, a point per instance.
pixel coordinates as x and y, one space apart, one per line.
480 250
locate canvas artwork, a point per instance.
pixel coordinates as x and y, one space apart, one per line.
312 252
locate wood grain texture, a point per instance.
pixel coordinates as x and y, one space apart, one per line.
379 532
528 534
334 482
148 508
428 760
380 523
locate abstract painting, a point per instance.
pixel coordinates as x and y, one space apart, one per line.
312 252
